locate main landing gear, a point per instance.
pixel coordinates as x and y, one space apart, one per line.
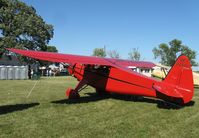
74 93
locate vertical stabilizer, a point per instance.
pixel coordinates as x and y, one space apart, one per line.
181 77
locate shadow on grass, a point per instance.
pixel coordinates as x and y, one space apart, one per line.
91 98
160 103
5 109
96 97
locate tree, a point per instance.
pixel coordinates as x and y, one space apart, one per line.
135 54
168 53
21 27
99 52
51 49
114 54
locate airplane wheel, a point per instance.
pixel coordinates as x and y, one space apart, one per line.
74 95
71 94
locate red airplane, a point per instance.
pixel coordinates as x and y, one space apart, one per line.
108 75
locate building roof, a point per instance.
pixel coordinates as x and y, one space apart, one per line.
9 60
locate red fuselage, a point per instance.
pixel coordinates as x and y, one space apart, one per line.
113 80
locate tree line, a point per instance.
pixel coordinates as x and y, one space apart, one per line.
166 53
101 52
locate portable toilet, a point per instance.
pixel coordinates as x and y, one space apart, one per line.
3 73
0 72
26 72
23 72
10 72
16 72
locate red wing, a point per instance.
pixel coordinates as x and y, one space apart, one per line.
72 59
57 57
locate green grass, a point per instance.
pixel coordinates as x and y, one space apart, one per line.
47 113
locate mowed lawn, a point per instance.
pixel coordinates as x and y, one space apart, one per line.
46 112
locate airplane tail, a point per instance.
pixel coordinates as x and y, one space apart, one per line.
178 85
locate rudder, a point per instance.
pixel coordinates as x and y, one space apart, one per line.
180 75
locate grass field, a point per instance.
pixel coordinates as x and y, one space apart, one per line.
45 112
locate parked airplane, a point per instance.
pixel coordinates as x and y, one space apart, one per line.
108 75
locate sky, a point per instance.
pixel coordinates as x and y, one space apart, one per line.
82 25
